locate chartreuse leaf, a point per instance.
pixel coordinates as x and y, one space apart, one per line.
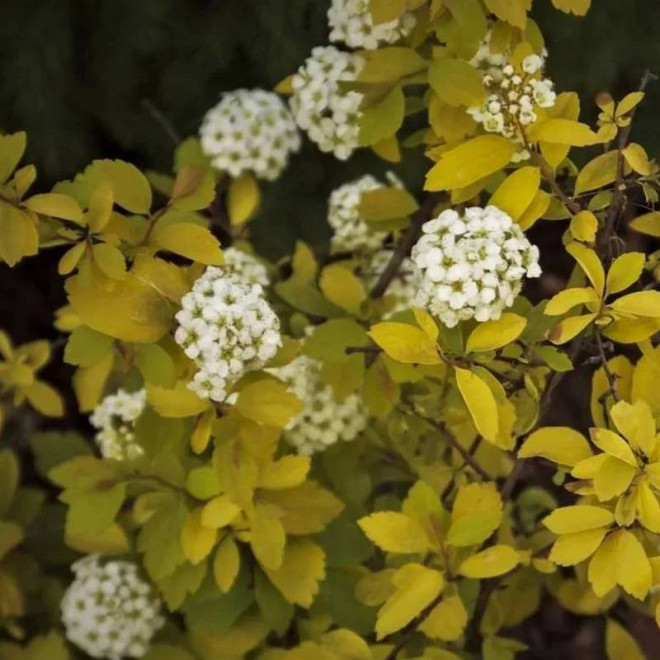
56 205
388 203
565 300
597 173
10 536
197 540
268 402
156 365
193 189
18 234
563 131
584 226
267 536
44 398
176 402
382 120
383 11
243 199
620 644
416 587
513 12
491 335
219 512
515 194
390 64
86 347
191 241
489 563
469 162
12 148
571 549
130 188
111 541
559 444
342 288
395 532
476 514
302 568
640 303
569 328
578 518
8 480
405 343
577 7
447 621
480 402
287 472
624 272
456 82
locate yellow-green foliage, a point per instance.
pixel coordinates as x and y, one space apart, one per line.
424 537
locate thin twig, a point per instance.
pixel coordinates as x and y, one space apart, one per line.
162 121
609 374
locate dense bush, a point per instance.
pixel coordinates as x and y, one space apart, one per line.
352 452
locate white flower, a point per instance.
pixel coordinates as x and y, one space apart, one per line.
227 328
402 288
115 419
472 267
328 113
109 611
351 232
249 131
351 22
324 420
532 63
544 96
244 267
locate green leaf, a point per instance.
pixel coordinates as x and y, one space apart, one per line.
52 448
456 82
268 402
156 365
387 203
9 475
86 347
382 120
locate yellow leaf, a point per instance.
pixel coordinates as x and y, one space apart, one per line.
109 260
389 64
584 226
56 205
342 287
18 234
513 12
219 512
633 570
637 158
12 148
111 541
456 82
640 303
383 11
197 541
563 131
469 162
382 120
285 86
649 224
426 323
388 149
535 210
303 567
631 330
476 514
201 435
395 532
489 563
193 189
268 402
416 588
243 199
625 271
226 564
492 335
569 298
89 382
176 402
267 537
577 518
559 444
571 549
130 188
99 211
387 203
481 403
405 343
577 7
602 566
620 644
447 620
515 194
590 264
44 399
599 172
569 328
613 444
191 241
287 472
70 258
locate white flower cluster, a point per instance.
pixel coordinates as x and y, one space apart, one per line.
472 265
109 611
513 99
485 58
402 288
245 268
351 232
249 131
323 421
328 113
228 329
351 22
115 419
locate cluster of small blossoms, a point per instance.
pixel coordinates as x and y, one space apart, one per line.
485 58
328 113
245 268
351 232
472 265
351 22
115 419
324 420
404 285
227 328
249 131
513 99
109 611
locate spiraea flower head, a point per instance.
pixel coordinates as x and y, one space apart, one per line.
250 131
324 420
513 96
351 232
472 265
109 611
351 22
326 112
227 328
245 268
403 287
115 419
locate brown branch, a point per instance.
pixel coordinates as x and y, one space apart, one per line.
402 250
609 374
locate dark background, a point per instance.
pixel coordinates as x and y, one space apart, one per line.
83 78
